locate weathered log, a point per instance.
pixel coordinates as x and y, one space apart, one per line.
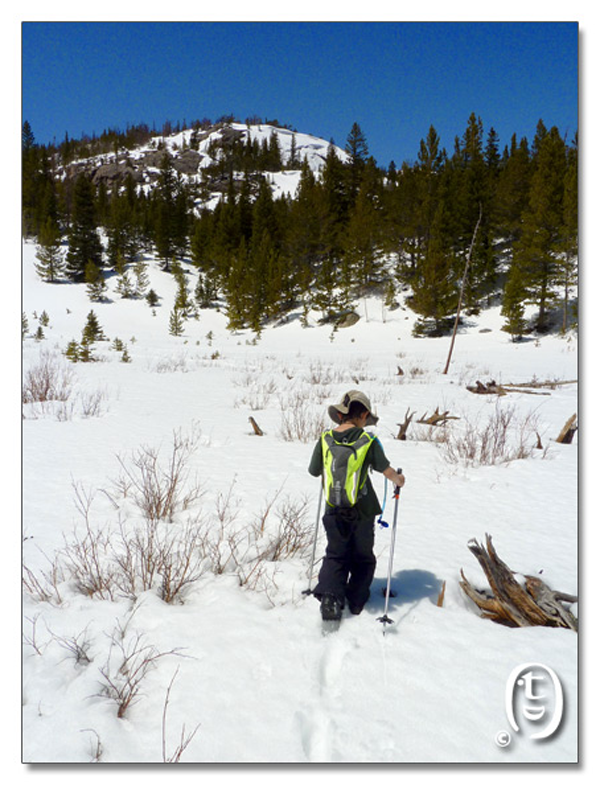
256 427
568 431
509 602
534 384
550 602
491 388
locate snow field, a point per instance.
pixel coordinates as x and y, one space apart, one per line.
252 669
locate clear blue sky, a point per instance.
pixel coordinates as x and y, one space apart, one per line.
394 79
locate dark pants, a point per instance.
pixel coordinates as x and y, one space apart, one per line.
349 564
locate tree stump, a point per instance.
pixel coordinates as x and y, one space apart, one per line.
510 603
568 431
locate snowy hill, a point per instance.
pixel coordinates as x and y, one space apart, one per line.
238 654
193 153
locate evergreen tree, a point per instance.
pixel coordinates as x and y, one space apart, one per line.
92 330
176 322
51 263
124 287
568 246
142 281
358 150
537 250
512 191
84 243
29 178
363 243
96 285
434 292
171 214
513 307
303 238
121 232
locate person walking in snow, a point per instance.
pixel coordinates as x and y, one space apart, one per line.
342 458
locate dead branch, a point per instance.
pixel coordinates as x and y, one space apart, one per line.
256 427
462 289
441 595
404 425
510 603
568 431
437 418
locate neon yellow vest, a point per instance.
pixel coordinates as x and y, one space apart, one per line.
343 478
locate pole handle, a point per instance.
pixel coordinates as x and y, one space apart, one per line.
397 487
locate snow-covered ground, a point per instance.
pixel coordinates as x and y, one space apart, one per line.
250 667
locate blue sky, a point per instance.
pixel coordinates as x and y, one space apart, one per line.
394 79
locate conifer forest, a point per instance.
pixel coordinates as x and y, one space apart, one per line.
351 228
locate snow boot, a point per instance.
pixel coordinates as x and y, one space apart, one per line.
331 608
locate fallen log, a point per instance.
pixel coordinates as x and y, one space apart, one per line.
491 388
510 603
534 384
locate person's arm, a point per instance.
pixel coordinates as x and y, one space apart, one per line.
393 476
316 462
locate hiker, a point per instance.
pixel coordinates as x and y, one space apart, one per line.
343 457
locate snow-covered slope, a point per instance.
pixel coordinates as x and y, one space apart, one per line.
248 664
193 156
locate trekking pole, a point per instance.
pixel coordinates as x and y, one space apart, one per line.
314 549
385 619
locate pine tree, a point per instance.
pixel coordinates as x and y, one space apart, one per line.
51 263
513 304
84 243
96 285
358 150
434 293
568 246
92 330
176 322
363 235
512 191
536 253
121 232
142 281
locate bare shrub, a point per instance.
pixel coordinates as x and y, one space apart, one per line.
258 395
298 419
293 535
503 438
45 586
185 739
159 489
87 558
78 646
92 403
171 365
49 380
122 683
